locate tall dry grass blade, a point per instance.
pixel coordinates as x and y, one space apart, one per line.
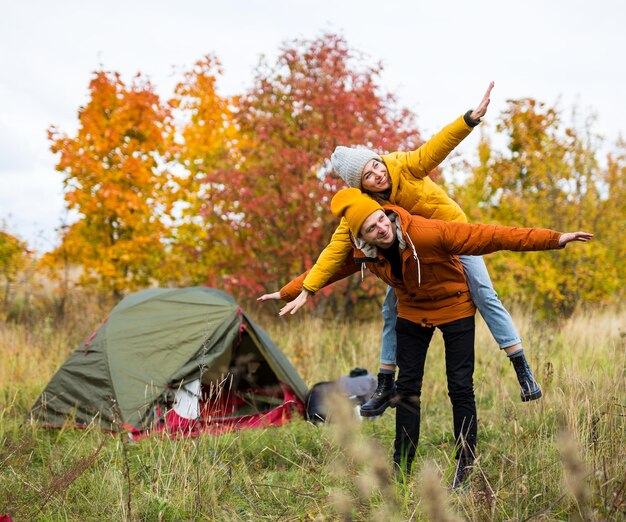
576 475
434 496
373 478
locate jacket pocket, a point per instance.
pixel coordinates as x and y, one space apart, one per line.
443 278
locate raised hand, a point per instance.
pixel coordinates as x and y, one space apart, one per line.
481 110
568 237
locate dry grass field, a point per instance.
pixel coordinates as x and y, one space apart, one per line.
562 457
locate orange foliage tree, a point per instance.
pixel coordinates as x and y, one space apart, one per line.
203 141
549 176
115 182
271 201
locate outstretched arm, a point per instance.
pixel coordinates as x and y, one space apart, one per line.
479 239
327 265
419 163
330 260
297 295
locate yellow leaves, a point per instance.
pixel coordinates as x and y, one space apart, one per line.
550 178
208 132
14 256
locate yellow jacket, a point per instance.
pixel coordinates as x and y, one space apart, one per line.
411 189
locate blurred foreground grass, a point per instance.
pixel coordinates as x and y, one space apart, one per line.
558 458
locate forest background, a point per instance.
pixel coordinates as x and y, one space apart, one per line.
233 191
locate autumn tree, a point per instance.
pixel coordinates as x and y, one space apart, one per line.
202 141
549 176
14 258
115 182
271 202
610 224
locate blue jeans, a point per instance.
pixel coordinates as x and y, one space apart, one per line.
390 315
484 296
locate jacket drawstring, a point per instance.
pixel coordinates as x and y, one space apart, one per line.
362 271
419 270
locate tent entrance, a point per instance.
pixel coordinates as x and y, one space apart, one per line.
239 390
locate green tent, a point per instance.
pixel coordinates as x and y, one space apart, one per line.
125 376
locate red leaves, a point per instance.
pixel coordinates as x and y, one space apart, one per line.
315 97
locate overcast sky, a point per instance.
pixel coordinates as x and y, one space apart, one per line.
438 58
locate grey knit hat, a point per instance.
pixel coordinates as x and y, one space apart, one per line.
349 162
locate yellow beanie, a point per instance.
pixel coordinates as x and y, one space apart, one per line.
354 206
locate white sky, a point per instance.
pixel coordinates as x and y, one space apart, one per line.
438 58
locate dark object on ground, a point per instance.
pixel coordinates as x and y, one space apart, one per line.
357 387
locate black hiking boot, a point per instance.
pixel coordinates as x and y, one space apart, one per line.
381 398
530 388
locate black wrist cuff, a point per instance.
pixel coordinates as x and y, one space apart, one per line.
468 119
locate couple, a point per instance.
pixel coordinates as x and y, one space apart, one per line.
434 273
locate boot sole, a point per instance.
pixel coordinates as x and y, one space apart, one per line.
377 411
531 396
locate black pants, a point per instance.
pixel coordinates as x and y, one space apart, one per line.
413 341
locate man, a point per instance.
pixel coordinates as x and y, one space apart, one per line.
418 258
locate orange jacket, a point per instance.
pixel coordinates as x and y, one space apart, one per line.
433 289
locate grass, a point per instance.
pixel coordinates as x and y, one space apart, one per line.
559 458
